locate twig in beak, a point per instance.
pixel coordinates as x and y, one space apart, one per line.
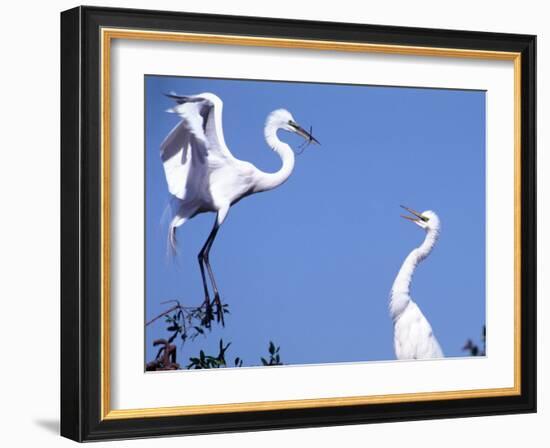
307 142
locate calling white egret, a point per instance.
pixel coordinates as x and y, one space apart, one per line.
413 335
203 175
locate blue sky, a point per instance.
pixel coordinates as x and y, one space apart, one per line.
310 264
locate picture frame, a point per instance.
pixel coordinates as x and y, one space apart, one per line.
86 210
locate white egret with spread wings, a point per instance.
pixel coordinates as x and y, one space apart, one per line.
413 334
203 175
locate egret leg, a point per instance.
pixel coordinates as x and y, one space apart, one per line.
204 259
205 287
201 265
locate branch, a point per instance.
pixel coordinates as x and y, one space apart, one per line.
174 308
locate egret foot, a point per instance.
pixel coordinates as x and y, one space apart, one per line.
207 312
220 309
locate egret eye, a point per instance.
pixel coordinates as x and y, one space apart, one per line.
424 218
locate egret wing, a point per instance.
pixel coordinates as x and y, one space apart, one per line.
414 338
421 333
195 146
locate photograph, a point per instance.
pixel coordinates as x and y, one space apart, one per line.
295 223
281 224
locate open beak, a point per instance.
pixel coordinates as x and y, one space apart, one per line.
416 216
302 132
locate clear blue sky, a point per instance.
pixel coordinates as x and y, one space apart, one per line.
310 264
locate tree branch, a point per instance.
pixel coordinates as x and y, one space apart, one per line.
174 308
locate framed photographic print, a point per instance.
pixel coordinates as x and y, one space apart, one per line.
273 224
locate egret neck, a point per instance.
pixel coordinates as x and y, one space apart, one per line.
400 295
268 181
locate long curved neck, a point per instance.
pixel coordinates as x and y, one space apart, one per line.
268 181
400 292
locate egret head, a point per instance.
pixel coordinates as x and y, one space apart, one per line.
283 119
428 220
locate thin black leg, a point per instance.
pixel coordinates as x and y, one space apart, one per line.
204 257
204 285
207 260
203 261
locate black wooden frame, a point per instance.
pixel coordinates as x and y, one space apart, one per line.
80 223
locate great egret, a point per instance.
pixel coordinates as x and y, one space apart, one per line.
413 335
203 175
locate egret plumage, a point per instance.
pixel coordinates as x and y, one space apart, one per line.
413 334
203 176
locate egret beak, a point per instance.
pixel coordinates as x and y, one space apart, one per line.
303 133
418 216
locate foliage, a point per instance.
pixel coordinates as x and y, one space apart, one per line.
187 323
204 361
274 357
473 348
